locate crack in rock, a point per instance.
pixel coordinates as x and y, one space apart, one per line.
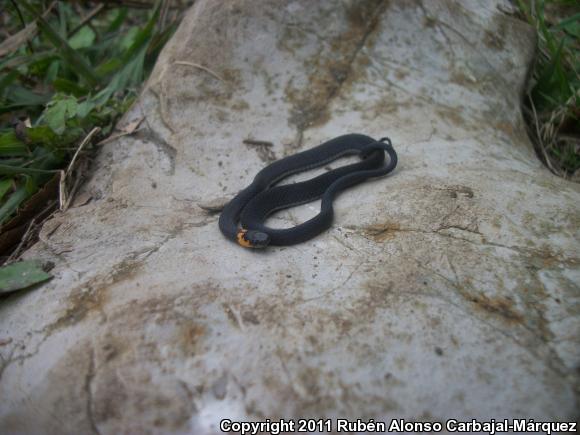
88 391
331 71
162 146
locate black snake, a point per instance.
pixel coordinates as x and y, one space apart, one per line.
252 206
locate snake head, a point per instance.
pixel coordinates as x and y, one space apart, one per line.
253 239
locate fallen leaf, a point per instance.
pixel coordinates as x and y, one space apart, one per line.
10 44
18 276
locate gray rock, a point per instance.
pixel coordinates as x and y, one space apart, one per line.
447 290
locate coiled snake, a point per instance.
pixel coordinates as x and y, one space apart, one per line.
252 206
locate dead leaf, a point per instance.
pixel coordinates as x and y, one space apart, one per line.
214 205
131 126
126 130
12 43
36 207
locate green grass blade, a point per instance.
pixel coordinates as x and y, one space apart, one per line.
11 146
24 97
69 87
13 202
6 80
5 186
118 21
564 23
79 65
19 170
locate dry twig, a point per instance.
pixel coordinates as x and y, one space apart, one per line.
201 67
64 196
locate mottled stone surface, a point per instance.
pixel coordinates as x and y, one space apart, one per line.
449 289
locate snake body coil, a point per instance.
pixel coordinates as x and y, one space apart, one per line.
252 206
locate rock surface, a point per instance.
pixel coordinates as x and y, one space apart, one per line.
447 290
